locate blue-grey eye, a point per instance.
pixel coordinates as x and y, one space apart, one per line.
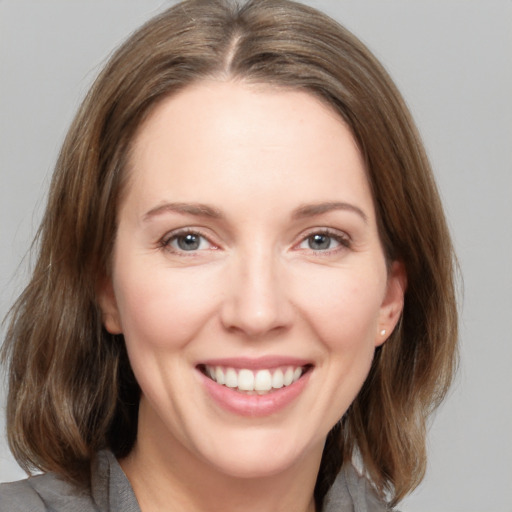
188 242
319 242
323 241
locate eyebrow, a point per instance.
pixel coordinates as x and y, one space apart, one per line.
195 209
203 210
312 210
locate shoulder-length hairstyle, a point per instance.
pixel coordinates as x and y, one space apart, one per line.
71 389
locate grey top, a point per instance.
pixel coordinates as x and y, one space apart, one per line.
111 492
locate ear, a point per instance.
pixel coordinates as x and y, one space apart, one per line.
108 305
393 302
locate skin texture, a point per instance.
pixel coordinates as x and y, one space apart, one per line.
261 160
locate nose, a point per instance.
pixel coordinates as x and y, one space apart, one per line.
257 302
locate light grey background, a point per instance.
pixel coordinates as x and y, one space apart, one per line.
452 60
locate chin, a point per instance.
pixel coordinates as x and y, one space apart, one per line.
260 453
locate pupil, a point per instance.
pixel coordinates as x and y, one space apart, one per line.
188 242
318 242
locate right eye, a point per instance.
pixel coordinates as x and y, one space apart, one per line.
187 241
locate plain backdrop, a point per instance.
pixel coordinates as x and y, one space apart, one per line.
452 60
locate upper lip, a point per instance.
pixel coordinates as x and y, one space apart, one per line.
256 363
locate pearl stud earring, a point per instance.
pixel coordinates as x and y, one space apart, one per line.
383 332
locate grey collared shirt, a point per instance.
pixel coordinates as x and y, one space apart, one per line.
111 492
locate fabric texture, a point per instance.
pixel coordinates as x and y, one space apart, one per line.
111 492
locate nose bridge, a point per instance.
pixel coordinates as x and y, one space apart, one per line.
257 302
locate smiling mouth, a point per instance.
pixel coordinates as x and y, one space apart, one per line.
254 382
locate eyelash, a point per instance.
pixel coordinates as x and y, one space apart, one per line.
342 239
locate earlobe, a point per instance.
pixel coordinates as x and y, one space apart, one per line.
393 303
108 305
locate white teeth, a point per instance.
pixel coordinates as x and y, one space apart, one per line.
288 376
219 375
246 380
263 380
231 378
277 379
259 382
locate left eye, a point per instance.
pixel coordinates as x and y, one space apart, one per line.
320 242
188 242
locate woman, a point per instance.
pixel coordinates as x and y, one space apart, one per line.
245 281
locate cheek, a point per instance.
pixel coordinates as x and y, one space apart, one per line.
343 306
162 308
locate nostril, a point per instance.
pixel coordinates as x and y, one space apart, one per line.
255 324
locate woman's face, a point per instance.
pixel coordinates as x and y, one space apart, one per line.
248 277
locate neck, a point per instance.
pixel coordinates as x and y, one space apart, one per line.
167 475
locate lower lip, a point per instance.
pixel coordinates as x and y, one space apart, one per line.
254 405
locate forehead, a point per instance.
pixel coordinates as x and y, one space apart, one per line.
247 140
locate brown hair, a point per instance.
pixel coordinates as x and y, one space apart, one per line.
71 389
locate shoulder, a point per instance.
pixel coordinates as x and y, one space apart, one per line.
110 490
43 493
353 492
18 496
